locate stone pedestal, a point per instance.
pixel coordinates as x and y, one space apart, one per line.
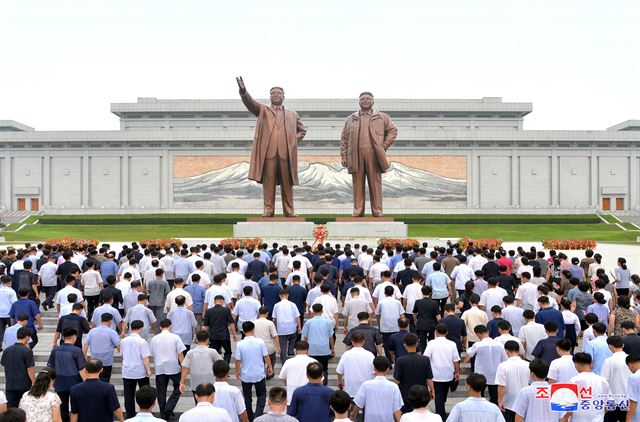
367 227
274 227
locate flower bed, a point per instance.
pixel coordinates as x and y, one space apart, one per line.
407 241
160 243
569 244
70 241
241 242
487 243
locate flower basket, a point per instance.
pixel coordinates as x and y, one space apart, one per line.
487 243
70 241
320 233
569 244
407 241
241 242
161 243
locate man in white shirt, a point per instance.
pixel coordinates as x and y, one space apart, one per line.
242 264
247 308
178 290
205 280
49 281
511 376
365 261
616 372
597 385
218 288
378 292
412 293
504 329
304 278
364 293
527 406
287 319
61 298
166 349
472 317
205 410
527 294
352 308
477 261
329 304
305 263
494 295
294 370
513 315
489 354
375 272
462 273
380 397
530 334
562 369
228 397
445 365
266 331
234 279
7 298
355 366
136 369
389 310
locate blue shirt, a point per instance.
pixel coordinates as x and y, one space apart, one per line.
197 293
475 409
439 282
550 314
379 398
11 335
102 340
599 351
298 295
108 268
251 352
94 401
271 296
7 298
317 331
25 306
97 315
546 349
182 323
68 361
396 343
183 267
310 403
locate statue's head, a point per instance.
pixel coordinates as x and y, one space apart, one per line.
277 96
366 101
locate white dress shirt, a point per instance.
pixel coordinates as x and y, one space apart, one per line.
229 398
164 348
615 370
294 371
442 353
513 374
243 266
490 298
205 411
599 389
530 334
562 369
364 294
513 314
412 293
356 366
489 354
378 292
389 310
329 305
246 309
461 274
48 274
134 349
528 294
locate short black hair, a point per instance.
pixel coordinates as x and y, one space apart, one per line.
165 323
582 358
93 365
540 368
278 395
220 368
315 370
205 389
340 401
418 396
512 346
381 363
146 397
477 382
248 326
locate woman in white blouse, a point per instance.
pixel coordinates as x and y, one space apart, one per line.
40 404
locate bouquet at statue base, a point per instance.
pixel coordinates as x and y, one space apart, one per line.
320 233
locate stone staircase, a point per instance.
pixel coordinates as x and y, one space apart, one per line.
44 346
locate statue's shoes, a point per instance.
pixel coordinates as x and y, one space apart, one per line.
291 215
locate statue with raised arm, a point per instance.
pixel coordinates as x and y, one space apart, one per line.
274 155
366 136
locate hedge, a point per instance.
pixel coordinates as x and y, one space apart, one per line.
318 219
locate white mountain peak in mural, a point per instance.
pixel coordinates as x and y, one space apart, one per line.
327 183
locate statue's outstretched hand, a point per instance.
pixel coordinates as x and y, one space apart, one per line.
241 86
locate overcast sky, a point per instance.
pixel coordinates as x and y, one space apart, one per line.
63 62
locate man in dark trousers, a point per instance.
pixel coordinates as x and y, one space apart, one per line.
94 400
68 362
426 313
218 321
19 367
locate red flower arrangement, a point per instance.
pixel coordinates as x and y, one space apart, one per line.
69 241
241 242
407 241
480 243
569 244
320 233
161 243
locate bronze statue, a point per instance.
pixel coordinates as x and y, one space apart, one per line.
367 134
274 155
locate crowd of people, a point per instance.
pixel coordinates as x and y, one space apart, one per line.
413 319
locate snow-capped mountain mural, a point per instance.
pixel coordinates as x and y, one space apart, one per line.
321 183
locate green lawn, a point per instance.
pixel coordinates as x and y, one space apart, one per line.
508 232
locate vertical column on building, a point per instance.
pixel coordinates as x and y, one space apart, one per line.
85 177
555 178
471 179
125 191
514 178
594 200
5 182
631 182
169 178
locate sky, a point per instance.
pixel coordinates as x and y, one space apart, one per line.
64 62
